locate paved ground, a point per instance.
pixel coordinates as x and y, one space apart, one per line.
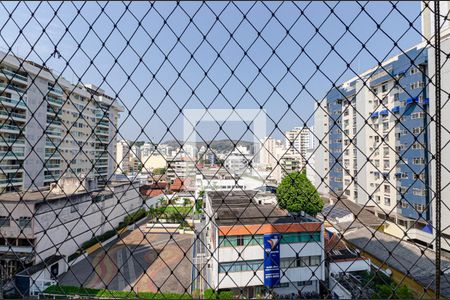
140 261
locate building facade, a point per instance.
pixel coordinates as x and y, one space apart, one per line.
375 128
58 220
236 242
50 127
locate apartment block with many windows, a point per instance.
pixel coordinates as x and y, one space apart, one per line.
49 129
376 129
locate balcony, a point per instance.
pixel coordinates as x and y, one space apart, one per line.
11 181
103 124
52 155
52 166
13 115
53 132
51 177
4 86
10 128
55 101
396 110
11 168
13 102
102 139
12 141
54 122
14 76
411 101
102 132
16 249
11 154
55 90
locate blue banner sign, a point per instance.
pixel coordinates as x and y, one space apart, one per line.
272 259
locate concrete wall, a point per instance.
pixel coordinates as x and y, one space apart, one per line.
64 226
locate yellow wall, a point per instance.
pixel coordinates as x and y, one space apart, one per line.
401 278
153 162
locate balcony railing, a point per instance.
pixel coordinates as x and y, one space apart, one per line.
11 114
12 141
11 87
7 181
11 154
55 90
10 127
18 103
54 100
14 75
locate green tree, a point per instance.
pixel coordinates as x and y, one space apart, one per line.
296 193
159 171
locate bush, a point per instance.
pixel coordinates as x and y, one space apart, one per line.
102 293
134 217
211 294
99 238
296 193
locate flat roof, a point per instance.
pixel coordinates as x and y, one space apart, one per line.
37 196
240 208
411 259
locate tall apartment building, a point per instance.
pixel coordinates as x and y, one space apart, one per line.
49 129
123 154
270 152
375 127
298 140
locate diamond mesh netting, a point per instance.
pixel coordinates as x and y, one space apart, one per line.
224 150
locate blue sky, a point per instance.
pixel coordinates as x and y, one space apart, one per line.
245 73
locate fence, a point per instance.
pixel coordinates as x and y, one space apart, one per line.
224 150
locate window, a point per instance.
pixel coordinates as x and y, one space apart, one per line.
384 88
314 260
418 115
417 146
4 221
240 241
241 266
420 176
24 222
413 70
418 192
418 160
417 85
387 189
387 201
304 283
417 130
282 285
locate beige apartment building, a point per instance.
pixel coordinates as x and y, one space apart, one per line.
50 127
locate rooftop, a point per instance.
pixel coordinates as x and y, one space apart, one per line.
239 207
336 210
408 258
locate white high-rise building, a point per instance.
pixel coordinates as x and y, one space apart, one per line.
50 129
297 142
123 156
269 153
